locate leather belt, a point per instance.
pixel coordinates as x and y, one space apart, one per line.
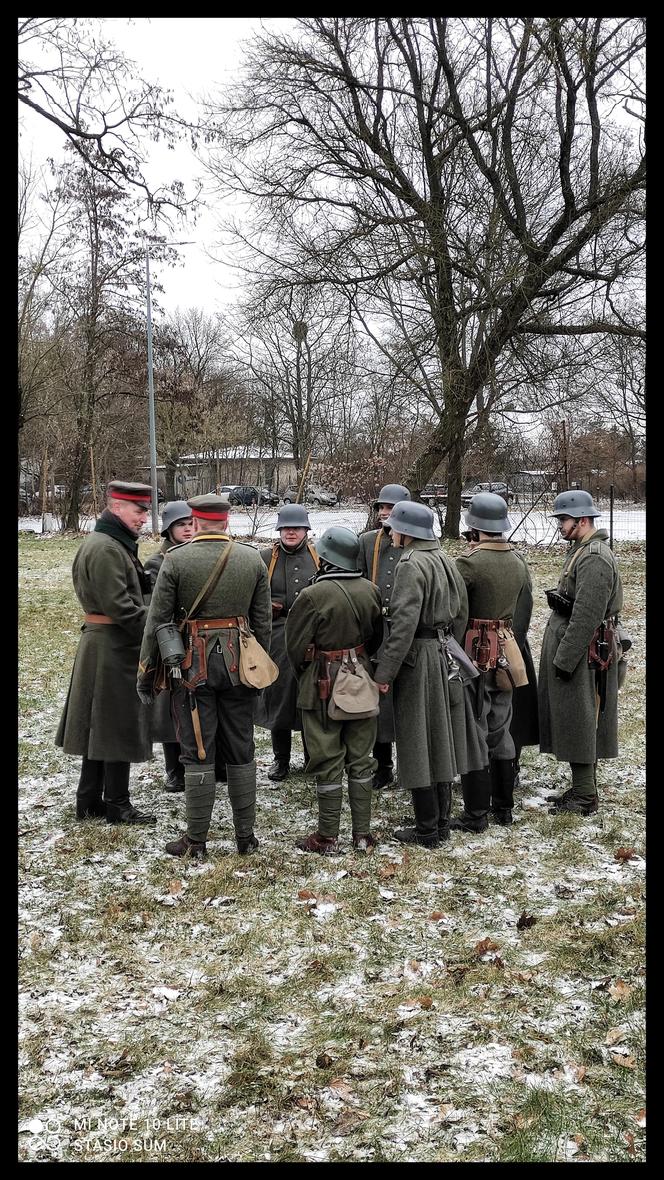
214 624
429 632
490 624
92 618
337 654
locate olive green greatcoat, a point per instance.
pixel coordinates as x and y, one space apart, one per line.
323 616
242 589
162 725
567 709
276 707
103 718
388 559
427 593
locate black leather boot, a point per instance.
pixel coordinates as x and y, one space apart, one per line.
89 803
476 788
281 748
119 809
444 792
174 768
384 776
425 832
502 790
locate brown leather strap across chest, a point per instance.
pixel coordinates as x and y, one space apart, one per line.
90 617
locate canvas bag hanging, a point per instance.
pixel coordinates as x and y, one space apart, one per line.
256 668
512 673
354 694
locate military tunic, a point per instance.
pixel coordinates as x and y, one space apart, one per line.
242 590
276 708
568 709
426 596
499 587
103 719
378 562
323 616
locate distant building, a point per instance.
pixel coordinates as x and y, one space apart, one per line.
205 470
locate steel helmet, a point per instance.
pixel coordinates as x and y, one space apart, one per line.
391 493
488 512
292 516
175 512
339 546
412 519
575 503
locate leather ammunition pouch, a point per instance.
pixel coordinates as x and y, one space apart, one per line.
195 636
559 603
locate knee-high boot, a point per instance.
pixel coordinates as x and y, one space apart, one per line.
119 809
425 832
476 789
502 790
444 792
89 791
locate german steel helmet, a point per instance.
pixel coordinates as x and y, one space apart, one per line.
292 516
339 546
575 503
412 519
391 493
173 513
488 512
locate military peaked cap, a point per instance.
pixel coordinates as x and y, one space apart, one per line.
140 493
209 507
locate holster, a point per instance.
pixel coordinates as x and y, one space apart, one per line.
194 664
481 642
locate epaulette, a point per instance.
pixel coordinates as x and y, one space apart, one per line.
180 545
407 555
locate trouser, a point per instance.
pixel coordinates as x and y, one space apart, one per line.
172 759
494 716
335 746
281 745
226 716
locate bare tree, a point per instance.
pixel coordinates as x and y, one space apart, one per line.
71 76
465 178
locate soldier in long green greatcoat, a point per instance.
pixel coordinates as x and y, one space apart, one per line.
102 720
340 611
578 704
499 589
291 563
429 599
378 563
217 713
176 528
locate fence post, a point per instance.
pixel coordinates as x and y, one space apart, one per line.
611 516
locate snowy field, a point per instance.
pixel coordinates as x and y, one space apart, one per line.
629 524
483 1002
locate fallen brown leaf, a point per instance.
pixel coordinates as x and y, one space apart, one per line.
388 870
625 854
629 1138
481 948
525 921
324 1061
580 1072
175 886
640 1117
620 991
624 1059
341 1087
436 916
614 1035
305 895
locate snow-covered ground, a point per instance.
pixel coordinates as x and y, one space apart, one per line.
535 528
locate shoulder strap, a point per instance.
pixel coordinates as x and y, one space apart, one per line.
211 582
376 557
313 555
273 561
350 601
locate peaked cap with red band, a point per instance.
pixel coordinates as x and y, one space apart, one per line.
209 507
139 493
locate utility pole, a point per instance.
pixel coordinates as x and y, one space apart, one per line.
151 414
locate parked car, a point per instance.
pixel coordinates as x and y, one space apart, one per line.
501 489
312 494
433 492
247 495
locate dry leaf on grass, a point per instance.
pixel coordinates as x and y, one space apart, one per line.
437 916
623 854
614 1035
626 1060
640 1117
620 991
486 945
175 886
629 1139
388 870
341 1088
324 1061
525 921
305 895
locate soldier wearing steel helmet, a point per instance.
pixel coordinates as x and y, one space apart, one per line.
578 700
338 612
378 563
499 589
435 737
176 528
291 563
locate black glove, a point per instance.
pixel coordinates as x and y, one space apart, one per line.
562 673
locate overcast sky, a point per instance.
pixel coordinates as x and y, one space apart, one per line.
189 56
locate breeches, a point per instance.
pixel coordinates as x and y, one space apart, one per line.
226 715
337 746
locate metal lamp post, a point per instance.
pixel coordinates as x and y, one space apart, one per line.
151 405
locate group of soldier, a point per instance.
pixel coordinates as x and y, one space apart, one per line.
380 640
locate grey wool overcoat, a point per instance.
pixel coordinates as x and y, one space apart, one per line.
569 725
103 719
